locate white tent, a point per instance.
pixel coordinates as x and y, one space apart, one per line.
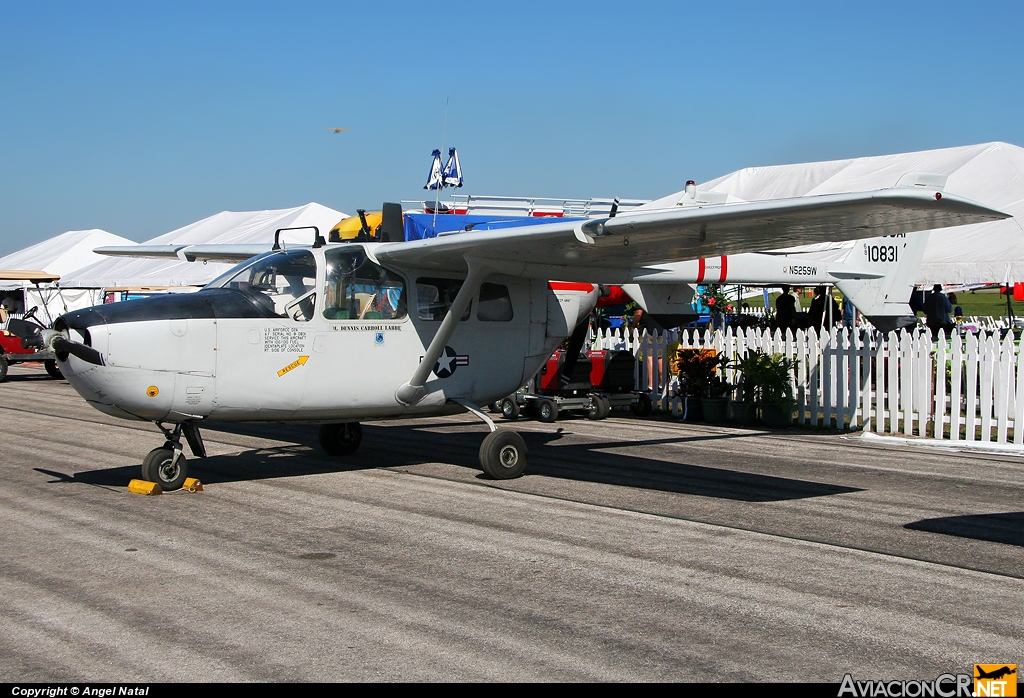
989 173
227 227
61 255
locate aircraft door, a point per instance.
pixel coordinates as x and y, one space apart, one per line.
363 346
261 359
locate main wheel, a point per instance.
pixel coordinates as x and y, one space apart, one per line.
340 439
159 467
52 369
547 410
3 368
643 406
503 455
509 408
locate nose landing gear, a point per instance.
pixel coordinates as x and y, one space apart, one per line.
167 465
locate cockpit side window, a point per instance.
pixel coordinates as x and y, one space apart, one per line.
435 296
281 283
358 289
495 304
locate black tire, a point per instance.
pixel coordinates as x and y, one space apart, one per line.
547 410
158 468
3 368
503 455
606 406
340 439
643 406
53 369
495 407
595 410
509 408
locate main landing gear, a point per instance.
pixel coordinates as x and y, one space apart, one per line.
340 439
502 453
167 465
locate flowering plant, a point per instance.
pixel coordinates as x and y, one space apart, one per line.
715 300
699 372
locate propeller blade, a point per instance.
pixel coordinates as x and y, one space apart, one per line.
88 354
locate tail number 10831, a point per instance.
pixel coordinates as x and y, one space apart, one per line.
881 253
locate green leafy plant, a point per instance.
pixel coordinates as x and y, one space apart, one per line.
701 373
766 378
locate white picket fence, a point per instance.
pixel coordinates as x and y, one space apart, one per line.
962 387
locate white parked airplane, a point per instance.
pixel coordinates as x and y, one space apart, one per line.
338 333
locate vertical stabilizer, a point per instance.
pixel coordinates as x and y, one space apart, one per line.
885 301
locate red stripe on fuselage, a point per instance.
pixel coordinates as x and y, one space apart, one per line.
701 268
567 286
725 268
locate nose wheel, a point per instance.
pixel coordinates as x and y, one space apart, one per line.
165 466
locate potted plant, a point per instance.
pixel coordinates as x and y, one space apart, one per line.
766 381
701 379
718 304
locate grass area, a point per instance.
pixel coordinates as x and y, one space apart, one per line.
983 302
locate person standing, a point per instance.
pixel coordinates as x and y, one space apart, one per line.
824 310
785 309
938 314
849 314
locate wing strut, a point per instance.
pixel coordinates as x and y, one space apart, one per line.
412 392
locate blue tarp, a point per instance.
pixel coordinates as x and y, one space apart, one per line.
419 226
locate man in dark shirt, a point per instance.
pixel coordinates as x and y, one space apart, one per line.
938 312
822 314
785 309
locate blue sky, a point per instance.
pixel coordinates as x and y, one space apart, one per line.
142 117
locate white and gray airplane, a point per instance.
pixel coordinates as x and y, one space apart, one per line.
333 334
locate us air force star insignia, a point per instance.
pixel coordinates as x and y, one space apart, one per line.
448 362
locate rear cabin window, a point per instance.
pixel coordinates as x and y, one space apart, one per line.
358 289
435 296
495 304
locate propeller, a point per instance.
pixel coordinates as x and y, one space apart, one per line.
35 337
66 346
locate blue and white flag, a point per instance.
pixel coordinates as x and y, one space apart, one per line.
452 173
436 179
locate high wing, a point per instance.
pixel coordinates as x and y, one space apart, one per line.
630 246
625 247
188 253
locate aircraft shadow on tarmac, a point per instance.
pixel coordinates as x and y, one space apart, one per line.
997 528
403 445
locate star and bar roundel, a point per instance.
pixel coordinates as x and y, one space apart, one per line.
448 362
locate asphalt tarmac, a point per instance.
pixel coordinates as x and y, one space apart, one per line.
632 550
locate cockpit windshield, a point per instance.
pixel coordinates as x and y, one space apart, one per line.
358 289
282 283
